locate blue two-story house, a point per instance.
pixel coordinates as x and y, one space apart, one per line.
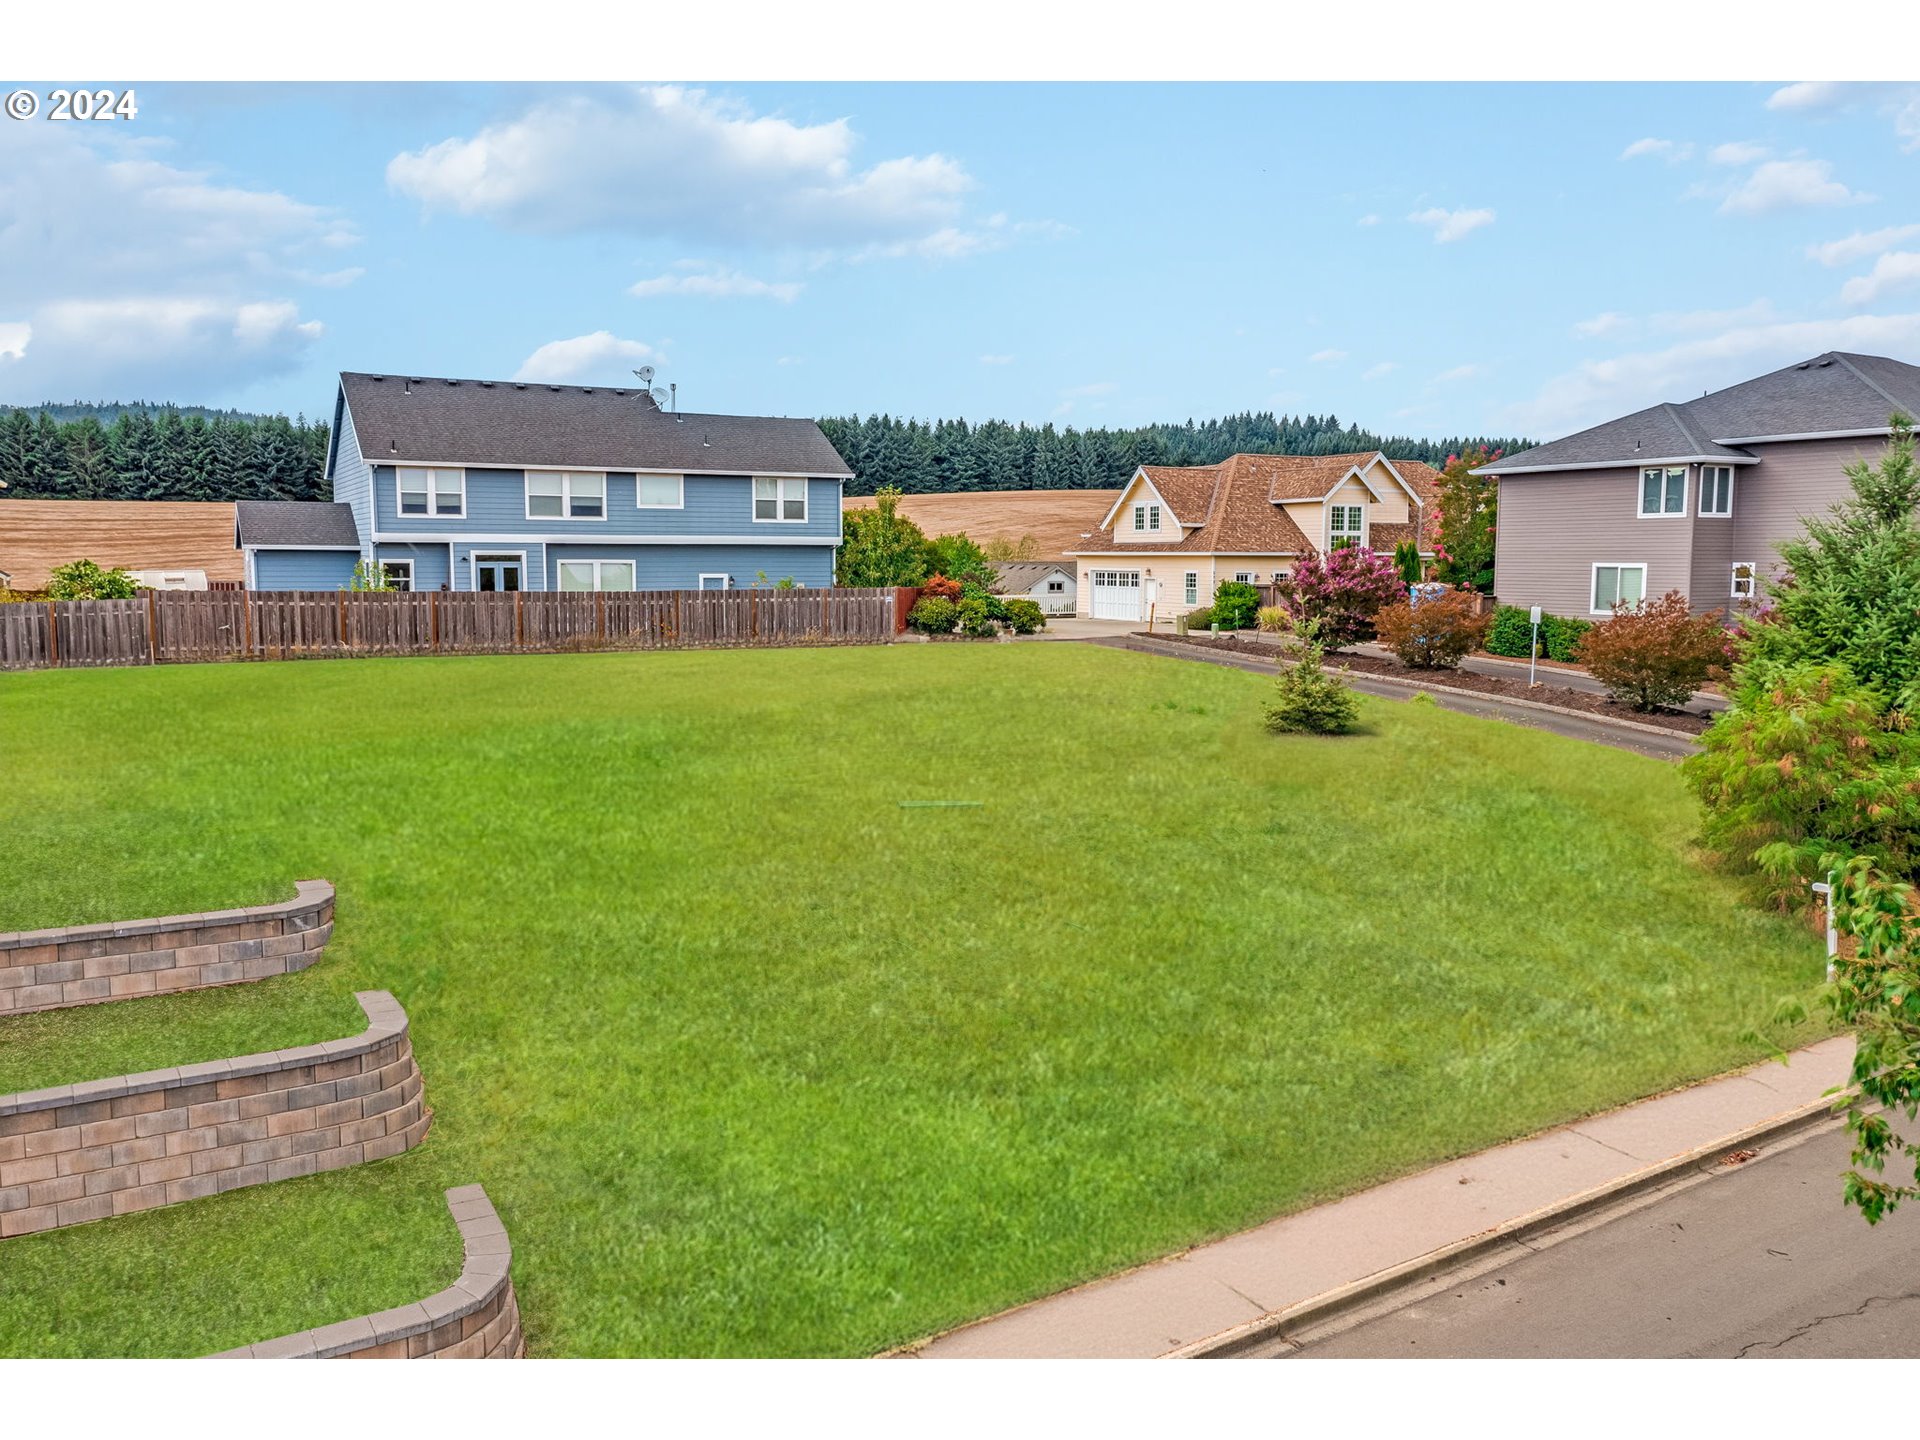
505 485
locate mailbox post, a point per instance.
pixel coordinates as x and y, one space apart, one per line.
1533 650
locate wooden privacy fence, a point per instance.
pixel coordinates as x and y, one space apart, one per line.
168 626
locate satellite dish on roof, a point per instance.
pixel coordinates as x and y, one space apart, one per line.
645 375
658 396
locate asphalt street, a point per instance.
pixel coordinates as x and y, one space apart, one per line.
1761 1260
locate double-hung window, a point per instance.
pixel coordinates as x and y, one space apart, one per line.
1745 579
1146 518
779 498
1618 584
596 574
566 495
1193 587
1344 524
432 490
1716 490
1663 490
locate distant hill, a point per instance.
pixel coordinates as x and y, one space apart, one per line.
108 411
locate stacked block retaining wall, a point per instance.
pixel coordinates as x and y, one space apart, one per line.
109 1147
86 964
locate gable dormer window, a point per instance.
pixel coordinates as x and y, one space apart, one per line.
1345 525
1146 518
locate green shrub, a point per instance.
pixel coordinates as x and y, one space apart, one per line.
1511 632
1274 619
1024 616
1201 619
933 615
1308 701
1560 636
1235 604
975 617
84 580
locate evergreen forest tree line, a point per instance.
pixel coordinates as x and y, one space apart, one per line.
148 452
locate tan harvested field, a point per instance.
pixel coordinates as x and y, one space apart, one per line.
1055 518
36 535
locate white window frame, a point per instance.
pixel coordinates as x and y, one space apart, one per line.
567 477
387 567
477 554
432 472
1246 577
1146 518
1593 583
1667 472
599 573
1190 583
726 581
679 501
1335 534
1752 592
1701 494
781 494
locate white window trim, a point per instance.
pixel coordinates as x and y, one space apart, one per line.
433 511
1190 586
478 553
1593 582
1753 580
1146 518
1359 536
598 566
1640 492
726 581
780 482
566 514
406 565
679 486
1700 494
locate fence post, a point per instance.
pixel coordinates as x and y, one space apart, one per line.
433 617
343 620
153 626
516 620
600 614
53 634
246 623
826 613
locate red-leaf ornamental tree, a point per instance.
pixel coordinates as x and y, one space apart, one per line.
1461 522
1655 655
1341 592
1437 634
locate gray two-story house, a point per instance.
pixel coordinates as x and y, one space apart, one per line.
1691 496
505 485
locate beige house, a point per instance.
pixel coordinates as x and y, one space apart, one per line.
1177 532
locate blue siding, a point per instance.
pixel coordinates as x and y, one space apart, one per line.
430 562
679 567
352 477
711 505
303 569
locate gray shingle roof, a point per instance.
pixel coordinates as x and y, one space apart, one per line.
513 424
295 522
1831 392
1022 575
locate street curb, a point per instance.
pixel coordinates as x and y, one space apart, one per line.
1229 1343
1436 689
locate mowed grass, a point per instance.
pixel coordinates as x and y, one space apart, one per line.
754 1061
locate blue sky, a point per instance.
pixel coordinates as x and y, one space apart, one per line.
1423 259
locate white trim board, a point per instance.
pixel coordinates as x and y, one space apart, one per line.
521 537
392 460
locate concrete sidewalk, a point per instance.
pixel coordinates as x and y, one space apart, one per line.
1176 1302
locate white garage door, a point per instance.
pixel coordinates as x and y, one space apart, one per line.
1116 594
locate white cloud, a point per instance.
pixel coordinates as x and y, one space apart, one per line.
668 160
1809 95
713 282
1449 225
601 355
1598 390
1892 271
996 359
1604 323
1327 357
1380 371
1672 151
14 337
1788 185
1368 220
1459 372
130 275
1738 152
1861 244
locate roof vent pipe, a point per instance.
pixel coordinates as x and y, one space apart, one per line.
673 389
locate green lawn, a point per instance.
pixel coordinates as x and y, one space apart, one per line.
753 1060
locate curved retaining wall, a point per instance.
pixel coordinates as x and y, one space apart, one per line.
475 1318
86 964
109 1147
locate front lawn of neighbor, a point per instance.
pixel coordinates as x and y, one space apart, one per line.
753 1060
